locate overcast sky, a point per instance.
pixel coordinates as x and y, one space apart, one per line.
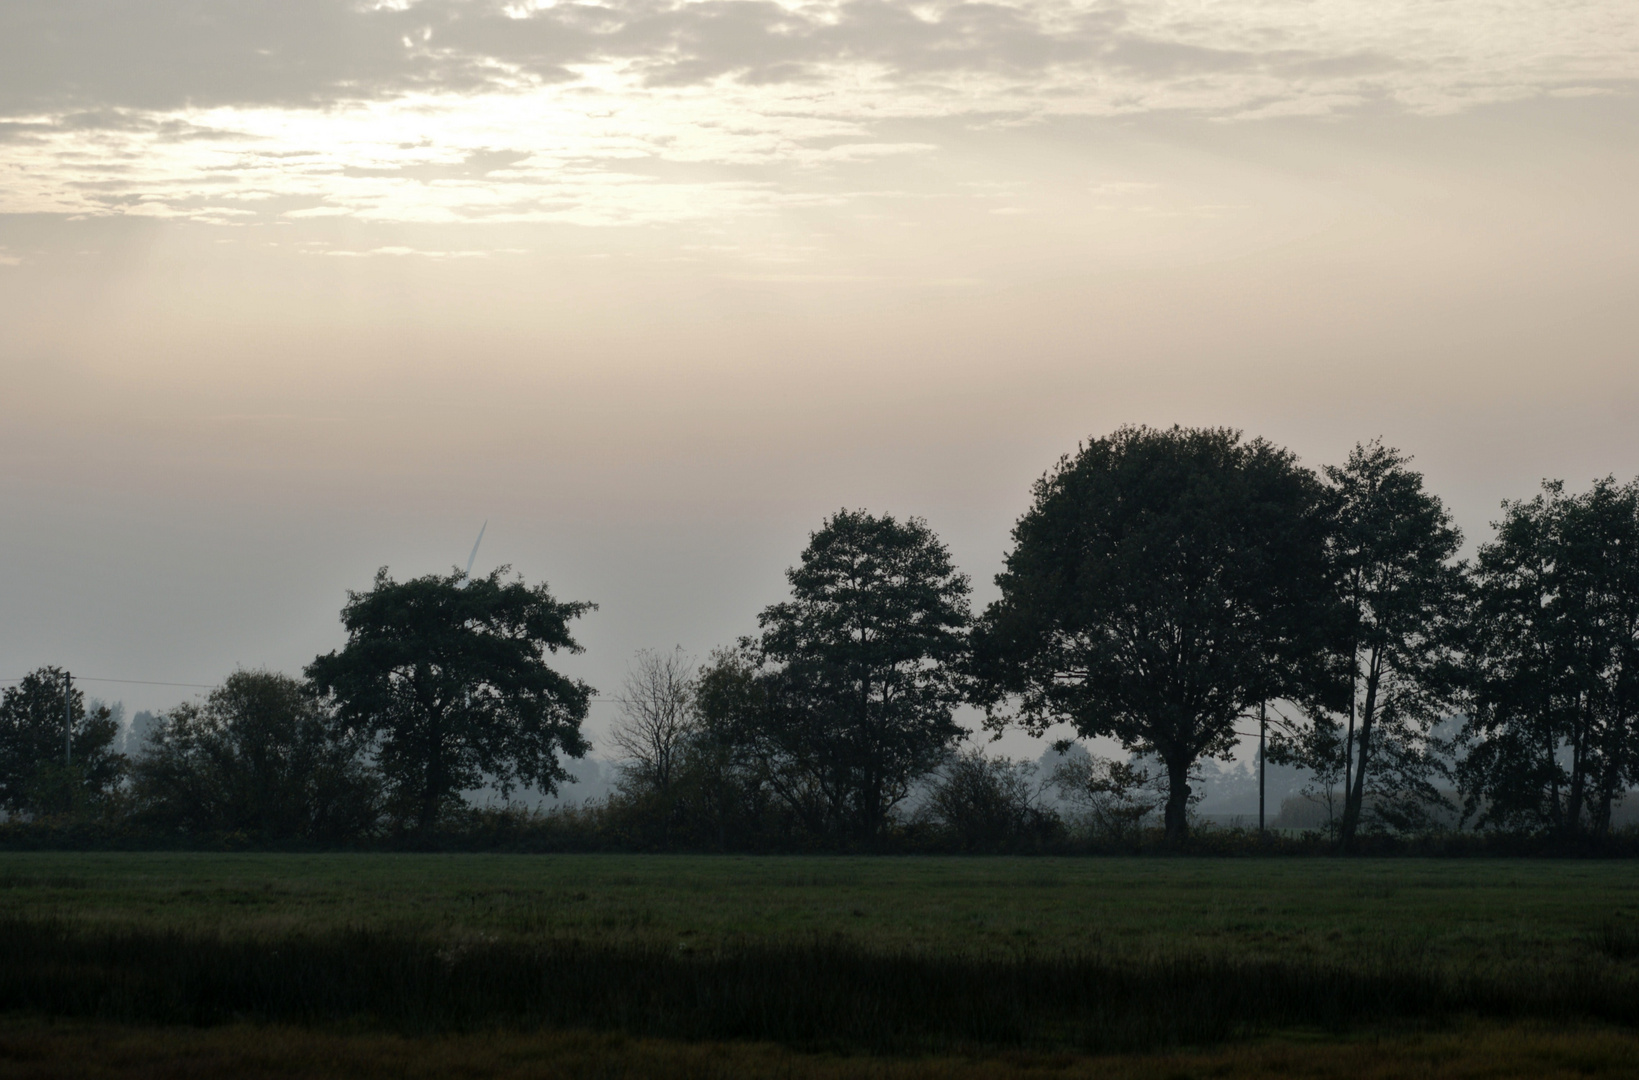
294 289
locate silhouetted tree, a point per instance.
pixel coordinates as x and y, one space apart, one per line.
657 717
1555 653
259 756
990 803
448 679
1162 584
859 671
654 730
135 738
1393 551
728 772
35 722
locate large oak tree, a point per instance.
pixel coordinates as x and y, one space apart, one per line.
1161 586
448 678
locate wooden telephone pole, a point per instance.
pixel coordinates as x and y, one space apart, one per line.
1263 731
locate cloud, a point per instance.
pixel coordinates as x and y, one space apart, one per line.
475 165
160 55
643 110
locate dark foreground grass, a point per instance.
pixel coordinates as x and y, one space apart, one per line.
36 1050
822 994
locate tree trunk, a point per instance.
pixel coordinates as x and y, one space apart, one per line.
1556 813
1579 768
1177 800
1610 780
431 795
1354 794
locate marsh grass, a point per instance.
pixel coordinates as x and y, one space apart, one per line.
824 994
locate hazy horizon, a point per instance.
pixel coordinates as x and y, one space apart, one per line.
292 291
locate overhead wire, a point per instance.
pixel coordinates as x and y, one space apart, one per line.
137 682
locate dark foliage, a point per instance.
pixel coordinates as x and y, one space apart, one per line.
859 673
447 678
1393 555
56 757
260 757
990 804
1554 730
1161 585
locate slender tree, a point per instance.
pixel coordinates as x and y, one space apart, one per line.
447 677
655 729
1555 662
657 716
1393 550
860 669
1161 585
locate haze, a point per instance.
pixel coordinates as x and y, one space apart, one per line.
293 290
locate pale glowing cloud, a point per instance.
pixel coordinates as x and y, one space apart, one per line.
641 111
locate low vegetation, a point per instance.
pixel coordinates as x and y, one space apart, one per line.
782 963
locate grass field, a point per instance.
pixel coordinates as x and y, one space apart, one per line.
1464 912
776 965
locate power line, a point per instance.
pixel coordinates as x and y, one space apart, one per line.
138 682
212 686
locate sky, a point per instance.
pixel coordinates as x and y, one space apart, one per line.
291 290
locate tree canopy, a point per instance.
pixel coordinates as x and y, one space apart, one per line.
861 667
259 757
1393 553
447 678
1554 730
1160 586
35 720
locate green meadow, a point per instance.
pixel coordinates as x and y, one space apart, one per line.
809 965
1459 912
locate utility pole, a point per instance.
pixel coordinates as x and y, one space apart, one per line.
68 719
1263 730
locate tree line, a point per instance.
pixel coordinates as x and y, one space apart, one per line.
1164 589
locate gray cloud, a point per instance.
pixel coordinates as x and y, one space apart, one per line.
166 54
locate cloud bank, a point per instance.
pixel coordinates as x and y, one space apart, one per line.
505 110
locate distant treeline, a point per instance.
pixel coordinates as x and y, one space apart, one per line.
1166 588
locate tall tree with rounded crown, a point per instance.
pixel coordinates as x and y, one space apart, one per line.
1162 584
448 678
862 671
